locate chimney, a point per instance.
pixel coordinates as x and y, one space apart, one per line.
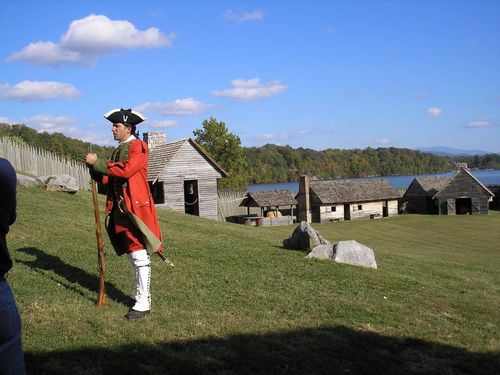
304 206
153 139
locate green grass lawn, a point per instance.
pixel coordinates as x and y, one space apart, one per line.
238 303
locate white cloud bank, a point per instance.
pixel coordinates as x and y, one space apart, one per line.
162 124
383 141
481 124
29 91
179 107
434 112
88 38
52 124
243 16
252 89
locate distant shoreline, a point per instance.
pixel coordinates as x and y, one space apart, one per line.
486 176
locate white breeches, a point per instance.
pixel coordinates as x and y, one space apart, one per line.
141 265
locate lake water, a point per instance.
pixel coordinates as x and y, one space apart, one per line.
487 177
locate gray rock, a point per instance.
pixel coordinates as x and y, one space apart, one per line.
321 252
354 253
27 181
304 237
62 182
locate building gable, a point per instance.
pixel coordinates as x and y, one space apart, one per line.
463 184
188 164
182 159
425 186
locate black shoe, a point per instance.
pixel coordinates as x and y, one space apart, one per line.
134 314
131 302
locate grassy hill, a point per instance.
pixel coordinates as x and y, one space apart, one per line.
237 302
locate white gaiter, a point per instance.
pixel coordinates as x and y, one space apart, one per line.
141 264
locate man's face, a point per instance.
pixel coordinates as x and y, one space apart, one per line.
120 132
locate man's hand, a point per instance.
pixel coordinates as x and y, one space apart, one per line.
90 158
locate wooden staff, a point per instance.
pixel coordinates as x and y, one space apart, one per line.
101 297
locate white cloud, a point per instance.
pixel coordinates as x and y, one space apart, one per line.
52 124
161 124
434 112
5 120
478 124
179 107
88 38
251 89
383 141
243 16
28 91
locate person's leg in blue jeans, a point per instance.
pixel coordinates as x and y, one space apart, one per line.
11 352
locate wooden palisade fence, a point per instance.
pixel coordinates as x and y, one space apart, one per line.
36 162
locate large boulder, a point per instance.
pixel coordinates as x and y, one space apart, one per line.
354 253
304 237
27 181
61 182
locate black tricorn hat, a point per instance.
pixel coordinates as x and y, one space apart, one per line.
124 116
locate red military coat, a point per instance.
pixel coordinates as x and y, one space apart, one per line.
127 177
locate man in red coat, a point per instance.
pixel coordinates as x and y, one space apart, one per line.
131 220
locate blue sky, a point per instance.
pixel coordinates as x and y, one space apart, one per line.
313 74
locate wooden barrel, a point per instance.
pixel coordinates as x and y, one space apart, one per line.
248 222
260 222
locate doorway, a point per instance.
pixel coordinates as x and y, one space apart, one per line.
191 202
157 192
385 208
463 206
347 212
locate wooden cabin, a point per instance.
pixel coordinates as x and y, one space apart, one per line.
463 194
337 200
183 177
276 206
419 197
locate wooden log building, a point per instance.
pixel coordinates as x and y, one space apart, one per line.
337 200
462 194
182 176
419 197
276 206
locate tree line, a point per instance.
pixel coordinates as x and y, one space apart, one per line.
271 163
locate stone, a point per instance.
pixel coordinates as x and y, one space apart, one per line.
304 237
321 252
27 181
354 253
61 182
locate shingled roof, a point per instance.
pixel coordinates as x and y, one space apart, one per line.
162 154
271 198
349 191
432 184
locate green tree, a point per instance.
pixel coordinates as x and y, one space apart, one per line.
226 149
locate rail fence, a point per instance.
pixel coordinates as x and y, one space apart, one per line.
36 162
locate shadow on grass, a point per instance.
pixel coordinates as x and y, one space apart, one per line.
72 274
327 350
